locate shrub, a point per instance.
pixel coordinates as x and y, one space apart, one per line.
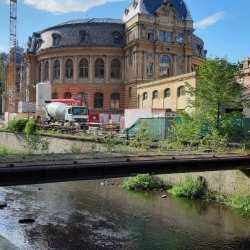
5 151
241 201
142 138
144 182
31 127
191 188
17 125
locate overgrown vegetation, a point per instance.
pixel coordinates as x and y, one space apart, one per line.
5 151
241 201
144 182
142 138
190 187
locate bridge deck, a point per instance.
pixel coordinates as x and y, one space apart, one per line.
89 169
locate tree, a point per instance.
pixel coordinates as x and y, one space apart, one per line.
218 87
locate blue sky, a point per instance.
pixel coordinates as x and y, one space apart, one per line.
222 24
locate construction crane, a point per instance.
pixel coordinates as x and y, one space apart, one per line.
12 57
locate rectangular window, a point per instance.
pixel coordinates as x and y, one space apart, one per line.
149 69
150 35
180 37
161 36
179 70
169 37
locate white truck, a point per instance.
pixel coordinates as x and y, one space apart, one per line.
61 114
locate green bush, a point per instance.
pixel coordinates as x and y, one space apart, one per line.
142 138
5 151
191 188
31 127
144 182
241 201
17 125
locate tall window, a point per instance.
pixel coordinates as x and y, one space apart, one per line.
67 95
83 68
181 91
149 69
98 100
115 101
69 68
99 68
115 68
145 96
161 36
130 92
40 72
167 93
150 34
54 95
180 37
155 94
169 37
164 65
46 71
57 70
130 56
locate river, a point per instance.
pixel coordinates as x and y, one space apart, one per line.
94 215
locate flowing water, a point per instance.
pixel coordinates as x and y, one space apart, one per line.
95 215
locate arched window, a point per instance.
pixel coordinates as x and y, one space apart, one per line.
130 92
155 94
98 100
46 71
115 101
54 95
167 93
40 72
145 96
164 65
83 68
69 68
57 70
115 68
82 95
67 95
181 91
99 68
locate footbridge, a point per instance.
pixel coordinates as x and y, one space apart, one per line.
90 169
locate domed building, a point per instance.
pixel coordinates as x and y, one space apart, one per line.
139 61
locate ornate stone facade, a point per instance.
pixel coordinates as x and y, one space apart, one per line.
114 62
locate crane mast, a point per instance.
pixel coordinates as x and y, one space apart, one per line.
12 56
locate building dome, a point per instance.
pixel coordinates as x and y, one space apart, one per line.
150 7
104 32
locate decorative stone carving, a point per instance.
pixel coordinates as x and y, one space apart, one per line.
189 37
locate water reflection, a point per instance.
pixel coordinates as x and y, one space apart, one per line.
87 215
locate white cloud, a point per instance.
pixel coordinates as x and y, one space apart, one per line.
3 48
209 21
66 6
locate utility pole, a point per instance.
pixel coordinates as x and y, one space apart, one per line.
12 57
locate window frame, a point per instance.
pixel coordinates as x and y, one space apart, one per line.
69 68
99 68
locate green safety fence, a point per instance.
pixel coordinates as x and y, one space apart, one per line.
159 128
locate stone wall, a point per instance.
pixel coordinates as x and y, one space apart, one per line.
57 144
222 182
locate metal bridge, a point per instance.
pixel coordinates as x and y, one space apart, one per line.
90 169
